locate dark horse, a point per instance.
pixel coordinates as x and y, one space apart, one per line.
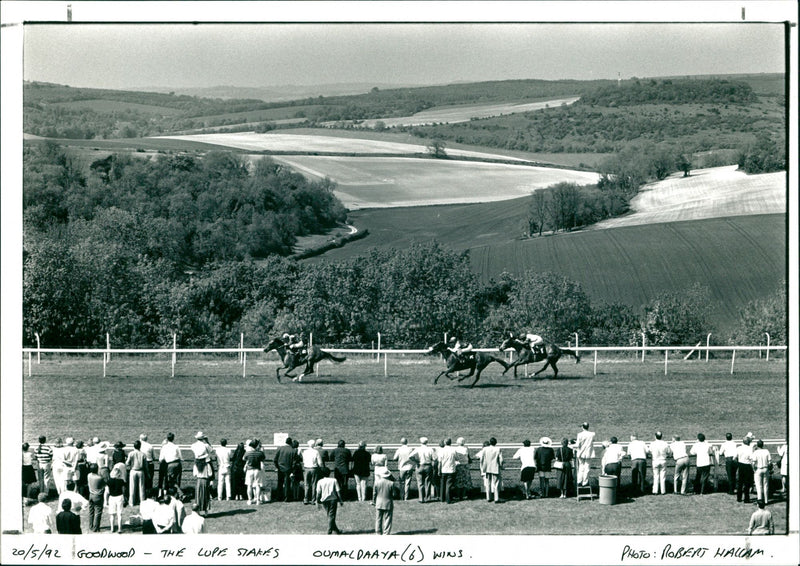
292 360
475 362
552 354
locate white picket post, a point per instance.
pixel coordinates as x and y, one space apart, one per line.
595 362
644 340
576 341
38 347
241 347
378 359
767 333
733 359
174 352
108 347
708 345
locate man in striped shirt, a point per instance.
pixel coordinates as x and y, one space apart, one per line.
44 459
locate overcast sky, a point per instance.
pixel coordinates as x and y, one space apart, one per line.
177 55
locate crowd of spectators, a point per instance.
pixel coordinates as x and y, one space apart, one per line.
96 477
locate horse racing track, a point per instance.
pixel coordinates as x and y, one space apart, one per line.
354 401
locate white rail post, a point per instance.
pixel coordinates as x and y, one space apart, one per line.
644 341
595 362
576 341
108 346
38 347
174 352
105 361
733 360
378 359
767 333
708 345
241 347
666 361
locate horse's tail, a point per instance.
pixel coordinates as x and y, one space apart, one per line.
572 353
337 359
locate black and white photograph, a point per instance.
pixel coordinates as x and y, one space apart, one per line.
510 283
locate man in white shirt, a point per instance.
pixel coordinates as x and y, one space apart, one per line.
525 455
744 470
148 509
659 450
224 471
612 459
761 462
704 453
637 450
171 454
426 458
79 502
41 518
681 456
728 451
328 494
312 464
405 465
164 517
447 463
584 452
194 523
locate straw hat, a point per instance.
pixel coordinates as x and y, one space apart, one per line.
545 441
199 435
423 440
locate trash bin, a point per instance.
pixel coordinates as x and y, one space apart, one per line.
608 490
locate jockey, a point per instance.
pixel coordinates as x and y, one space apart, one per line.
458 347
534 342
295 343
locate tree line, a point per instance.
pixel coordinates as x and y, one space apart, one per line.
76 292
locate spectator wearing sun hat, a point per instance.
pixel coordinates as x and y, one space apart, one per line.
203 471
384 502
544 457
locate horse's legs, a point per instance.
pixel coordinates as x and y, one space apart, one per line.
435 381
471 371
549 362
477 377
278 374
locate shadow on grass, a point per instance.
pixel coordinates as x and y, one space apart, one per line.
315 381
230 513
418 532
481 385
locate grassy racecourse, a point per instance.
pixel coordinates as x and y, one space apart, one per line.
355 401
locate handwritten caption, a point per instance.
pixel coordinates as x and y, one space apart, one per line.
669 552
410 554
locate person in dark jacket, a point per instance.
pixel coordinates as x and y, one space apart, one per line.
544 457
67 522
341 466
284 464
361 470
238 488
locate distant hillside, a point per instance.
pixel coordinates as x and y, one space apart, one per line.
276 93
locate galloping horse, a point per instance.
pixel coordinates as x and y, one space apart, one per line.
475 362
552 354
292 360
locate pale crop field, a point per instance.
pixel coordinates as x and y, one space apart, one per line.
376 182
455 114
707 193
309 143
